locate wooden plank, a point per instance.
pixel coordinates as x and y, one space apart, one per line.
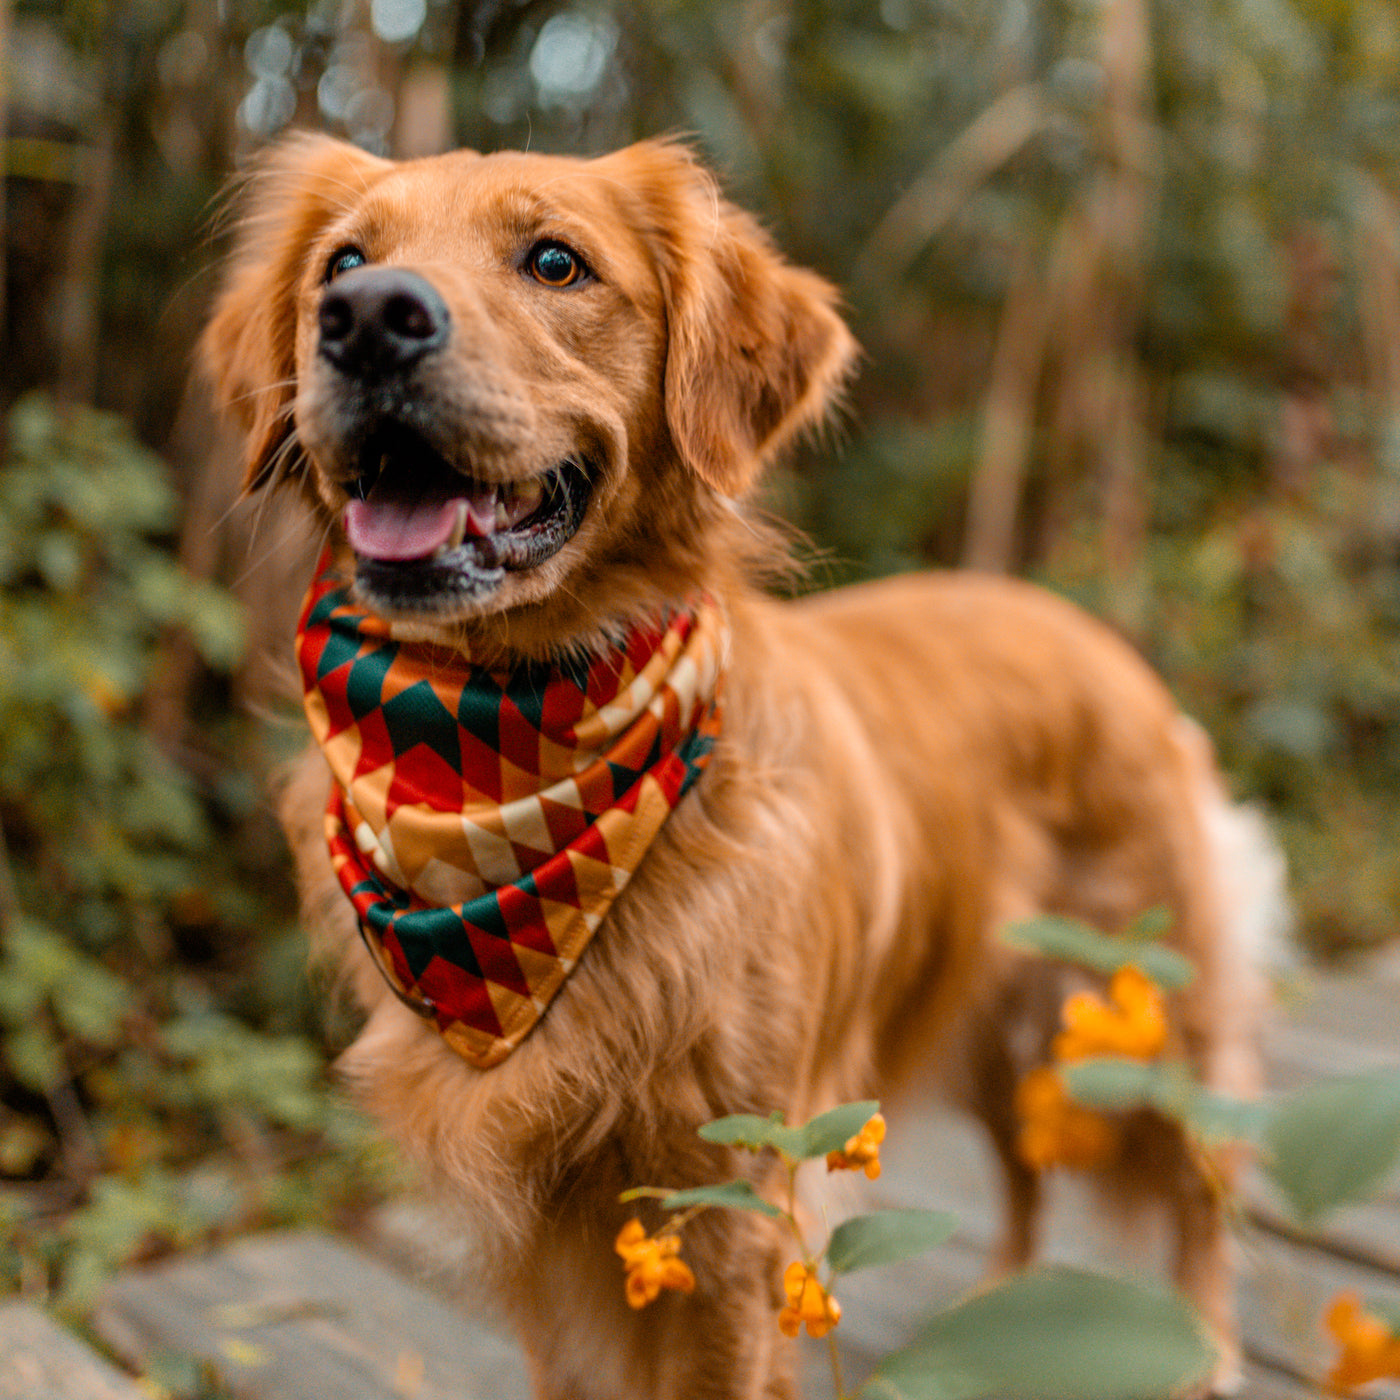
39 1360
1336 1025
1357 1005
300 1316
1366 1233
1297 1054
1287 1288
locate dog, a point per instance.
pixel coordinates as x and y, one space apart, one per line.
529 398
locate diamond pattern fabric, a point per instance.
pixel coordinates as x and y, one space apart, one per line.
482 821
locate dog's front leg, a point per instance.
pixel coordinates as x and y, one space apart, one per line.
719 1342
723 1342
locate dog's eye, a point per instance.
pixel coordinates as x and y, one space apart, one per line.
342 260
555 264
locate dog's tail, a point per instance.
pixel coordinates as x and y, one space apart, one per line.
1253 916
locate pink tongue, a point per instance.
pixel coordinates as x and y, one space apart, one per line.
393 530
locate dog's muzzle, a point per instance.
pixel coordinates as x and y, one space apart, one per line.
428 534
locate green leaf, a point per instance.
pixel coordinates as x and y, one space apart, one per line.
1119 1085
827 1132
1214 1118
886 1237
1051 1333
217 623
1334 1142
1151 926
750 1131
159 586
60 560
93 1003
1387 1309
35 1057
40 954
736 1195
176 1373
1068 940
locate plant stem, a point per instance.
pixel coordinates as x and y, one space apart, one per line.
811 1262
838 1383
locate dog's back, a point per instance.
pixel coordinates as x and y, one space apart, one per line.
1006 756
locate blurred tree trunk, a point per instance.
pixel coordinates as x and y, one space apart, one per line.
423 103
4 167
1123 217
1068 329
1379 302
1096 436
79 320
1008 419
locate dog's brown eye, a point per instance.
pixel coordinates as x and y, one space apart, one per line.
555 264
343 259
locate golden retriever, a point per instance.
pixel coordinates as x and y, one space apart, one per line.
598 357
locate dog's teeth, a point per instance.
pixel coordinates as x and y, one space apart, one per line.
517 501
459 529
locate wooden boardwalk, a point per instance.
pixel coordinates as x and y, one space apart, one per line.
301 1316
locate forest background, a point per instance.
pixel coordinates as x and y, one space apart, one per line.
1127 277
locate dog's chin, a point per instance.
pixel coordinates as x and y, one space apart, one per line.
481 573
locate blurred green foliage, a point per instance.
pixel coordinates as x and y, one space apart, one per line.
156 1087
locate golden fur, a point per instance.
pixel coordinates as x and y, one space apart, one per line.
904 765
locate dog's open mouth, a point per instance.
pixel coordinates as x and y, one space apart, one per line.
427 537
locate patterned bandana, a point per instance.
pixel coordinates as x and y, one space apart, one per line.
528 795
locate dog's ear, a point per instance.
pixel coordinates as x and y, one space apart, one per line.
248 348
756 349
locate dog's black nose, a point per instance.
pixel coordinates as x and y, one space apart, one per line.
380 320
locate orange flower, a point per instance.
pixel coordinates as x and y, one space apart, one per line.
651 1264
861 1152
1056 1131
1370 1350
1132 1022
807 1302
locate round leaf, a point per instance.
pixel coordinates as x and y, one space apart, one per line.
751 1131
886 1237
827 1132
1052 1333
1117 1085
1335 1141
1068 940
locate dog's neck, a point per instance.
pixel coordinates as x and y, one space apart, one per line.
482 820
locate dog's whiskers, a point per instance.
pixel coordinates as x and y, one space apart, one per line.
275 387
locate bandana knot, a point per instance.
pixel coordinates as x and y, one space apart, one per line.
482 820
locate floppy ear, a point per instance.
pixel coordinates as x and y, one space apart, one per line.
248 348
756 350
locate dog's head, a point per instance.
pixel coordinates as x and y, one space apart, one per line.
527 388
